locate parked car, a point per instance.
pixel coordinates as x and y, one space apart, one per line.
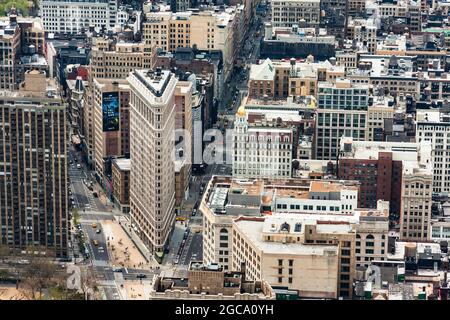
78 166
141 276
98 231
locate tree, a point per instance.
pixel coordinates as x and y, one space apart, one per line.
39 271
76 217
88 283
4 251
22 6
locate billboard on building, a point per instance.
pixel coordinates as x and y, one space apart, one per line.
110 108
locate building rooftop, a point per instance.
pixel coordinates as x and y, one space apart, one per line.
254 230
155 81
299 35
386 66
263 71
416 157
123 164
328 186
436 116
226 195
278 105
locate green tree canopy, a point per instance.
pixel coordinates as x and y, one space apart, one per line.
22 6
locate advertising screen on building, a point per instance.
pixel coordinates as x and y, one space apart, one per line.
110 107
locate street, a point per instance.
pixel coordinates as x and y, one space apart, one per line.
83 198
193 249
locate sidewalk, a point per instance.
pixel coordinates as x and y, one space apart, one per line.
126 226
122 250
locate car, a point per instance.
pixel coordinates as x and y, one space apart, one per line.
75 159
78 166
101 249
176 261
117 269
194 212
98 231
95 194
141 276
94 225
95 242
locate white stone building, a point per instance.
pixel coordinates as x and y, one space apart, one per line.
152 124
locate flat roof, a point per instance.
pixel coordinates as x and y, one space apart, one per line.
253 230
155 82
328 186
123 164
247 187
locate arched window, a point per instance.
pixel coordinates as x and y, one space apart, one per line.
358 236
369 237
285 227
223 230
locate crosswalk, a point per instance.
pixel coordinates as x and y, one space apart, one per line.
76 175
92 203
77 178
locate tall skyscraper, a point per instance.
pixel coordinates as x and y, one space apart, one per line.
152 124
33 170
